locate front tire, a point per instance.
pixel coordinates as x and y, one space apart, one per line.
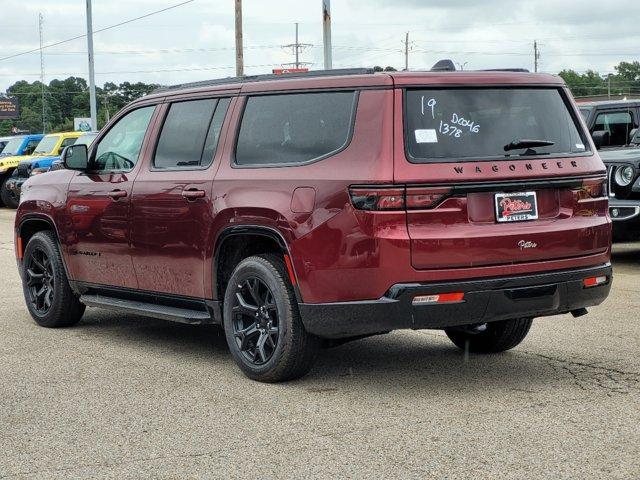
498 336
9 197
46 288
262 323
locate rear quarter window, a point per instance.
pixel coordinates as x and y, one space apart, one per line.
478 123
293 129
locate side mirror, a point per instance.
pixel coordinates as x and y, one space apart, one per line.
601 138
75 157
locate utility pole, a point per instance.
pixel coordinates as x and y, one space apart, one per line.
296 49
536 56
326 33
406 51
93 106
44 114
239 47
106 108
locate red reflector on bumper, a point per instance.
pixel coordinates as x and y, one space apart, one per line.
594 281
438 298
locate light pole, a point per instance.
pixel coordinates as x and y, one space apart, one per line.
92 75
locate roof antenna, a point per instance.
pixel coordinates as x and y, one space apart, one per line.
444 66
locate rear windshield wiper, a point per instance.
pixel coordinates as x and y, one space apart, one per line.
518 144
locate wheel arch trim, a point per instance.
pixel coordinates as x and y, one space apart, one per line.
40 217
249 230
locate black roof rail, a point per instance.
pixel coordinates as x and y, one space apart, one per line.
266 77
448 66
517 70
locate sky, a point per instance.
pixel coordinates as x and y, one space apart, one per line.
195 41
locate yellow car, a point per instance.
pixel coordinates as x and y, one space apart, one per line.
50 145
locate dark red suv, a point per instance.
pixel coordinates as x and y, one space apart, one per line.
319 208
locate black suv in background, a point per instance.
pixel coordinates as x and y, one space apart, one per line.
614 128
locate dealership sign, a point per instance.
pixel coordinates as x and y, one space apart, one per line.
9 108
82 124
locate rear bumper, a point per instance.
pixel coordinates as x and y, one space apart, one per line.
484 301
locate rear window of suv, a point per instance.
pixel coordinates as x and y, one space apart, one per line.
294 129
479 123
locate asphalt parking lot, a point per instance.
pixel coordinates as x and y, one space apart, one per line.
128 397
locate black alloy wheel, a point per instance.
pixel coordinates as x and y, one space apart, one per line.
40 280
256 327
47 292
262 322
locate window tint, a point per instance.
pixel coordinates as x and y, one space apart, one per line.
214 131
13 146
66 142
480 123
295 128
120 148
190 134
584 112
618 124
47 143
31 146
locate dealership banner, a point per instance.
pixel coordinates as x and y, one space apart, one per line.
9 108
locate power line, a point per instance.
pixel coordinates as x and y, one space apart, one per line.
97 31
163 70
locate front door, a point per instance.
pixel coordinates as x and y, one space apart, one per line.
99 201
171 202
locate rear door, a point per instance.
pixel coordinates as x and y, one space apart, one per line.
171 203
98 203
476 197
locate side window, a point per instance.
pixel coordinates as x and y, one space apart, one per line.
211 143
190 134
120 148
294 128
618 124
65 143
31 146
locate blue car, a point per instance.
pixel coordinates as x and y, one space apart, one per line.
21 145
36 166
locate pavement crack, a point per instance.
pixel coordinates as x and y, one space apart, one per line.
587 375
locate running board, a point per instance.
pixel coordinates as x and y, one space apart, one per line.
174 314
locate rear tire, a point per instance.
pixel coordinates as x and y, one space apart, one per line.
49 298
9 197
498 337
262 323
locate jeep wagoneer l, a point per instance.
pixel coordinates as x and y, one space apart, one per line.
327 206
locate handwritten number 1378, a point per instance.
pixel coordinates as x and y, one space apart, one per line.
450 130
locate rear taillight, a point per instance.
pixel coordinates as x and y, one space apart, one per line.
376 199
594 187
397 198
427 197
